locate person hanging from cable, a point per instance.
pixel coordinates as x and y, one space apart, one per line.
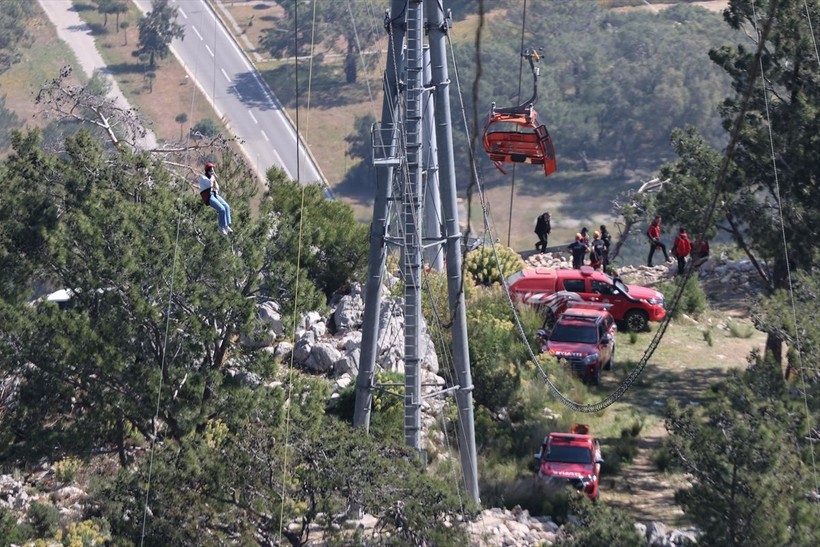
209 191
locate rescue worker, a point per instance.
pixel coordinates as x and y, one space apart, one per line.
209 192
606 237
596 250
681 249
542 230
700 252
654 235
578 250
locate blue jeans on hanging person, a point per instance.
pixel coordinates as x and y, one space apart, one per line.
223 210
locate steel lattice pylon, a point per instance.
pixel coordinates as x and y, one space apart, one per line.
403 144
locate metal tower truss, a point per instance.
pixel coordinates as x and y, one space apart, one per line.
412 150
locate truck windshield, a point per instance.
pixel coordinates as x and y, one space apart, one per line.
569 454
575 334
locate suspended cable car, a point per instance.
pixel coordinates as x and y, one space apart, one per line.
513 134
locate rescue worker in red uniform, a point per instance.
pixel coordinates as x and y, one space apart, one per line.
681 249
654 235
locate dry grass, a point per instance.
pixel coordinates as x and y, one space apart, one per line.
42 57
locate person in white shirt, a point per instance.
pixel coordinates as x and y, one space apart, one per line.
209 191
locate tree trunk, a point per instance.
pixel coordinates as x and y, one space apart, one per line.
350 66
121 443
742 244
774 342
584 160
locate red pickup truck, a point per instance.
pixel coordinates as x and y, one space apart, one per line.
634 305
584 339
573 458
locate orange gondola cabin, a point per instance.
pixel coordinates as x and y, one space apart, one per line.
513 135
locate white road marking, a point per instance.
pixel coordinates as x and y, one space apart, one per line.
225 74
181 11
193 27
209 50
265 135
254 119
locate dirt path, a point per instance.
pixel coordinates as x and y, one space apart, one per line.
689 367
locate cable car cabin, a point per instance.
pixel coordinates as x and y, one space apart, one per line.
515 136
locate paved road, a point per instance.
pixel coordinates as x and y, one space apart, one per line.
226 77
74 32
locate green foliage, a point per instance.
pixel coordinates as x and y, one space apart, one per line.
66 469
663 458
316 462
708 336
633 337
320 235
13 19
751 203
601 526
776 315
43 518
486 269
742 451
10 532
279 41
621 450
86 533
157 30
8 121
496 351
205 127
619 81
99 361
738 329
692 302
99 84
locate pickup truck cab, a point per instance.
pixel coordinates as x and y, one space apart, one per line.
585 339
634 305
573 458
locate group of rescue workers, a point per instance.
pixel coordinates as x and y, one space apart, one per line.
597 249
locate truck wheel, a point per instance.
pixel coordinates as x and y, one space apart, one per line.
636 320
608 365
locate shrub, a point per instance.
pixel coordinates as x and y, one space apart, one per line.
44 519
664 459
707 336
66 469
740 330
10 531
600 524
692 302
482 265
87 532
206 127
622 450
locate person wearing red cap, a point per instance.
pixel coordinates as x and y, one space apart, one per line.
209 191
